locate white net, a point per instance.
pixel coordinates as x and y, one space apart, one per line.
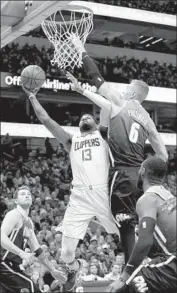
60 30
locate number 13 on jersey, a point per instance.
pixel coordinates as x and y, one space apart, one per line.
87 155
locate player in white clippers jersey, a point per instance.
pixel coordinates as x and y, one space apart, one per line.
89 156
89 195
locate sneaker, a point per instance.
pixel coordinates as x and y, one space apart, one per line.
72 276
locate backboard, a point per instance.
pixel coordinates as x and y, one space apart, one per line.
19 17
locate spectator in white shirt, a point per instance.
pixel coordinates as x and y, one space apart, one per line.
115 273
93 275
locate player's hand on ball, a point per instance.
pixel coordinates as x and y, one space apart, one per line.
59 275
75 85
30 92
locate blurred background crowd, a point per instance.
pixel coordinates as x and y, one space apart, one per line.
162 6
114 42
119 69
49 177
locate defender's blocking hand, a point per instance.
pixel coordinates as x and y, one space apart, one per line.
75 85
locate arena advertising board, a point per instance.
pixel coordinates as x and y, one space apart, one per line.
156 94
10 80
40 131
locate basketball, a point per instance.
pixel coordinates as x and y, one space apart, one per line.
33 77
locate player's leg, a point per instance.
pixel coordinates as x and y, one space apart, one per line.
73 265
15 281
123 202
69 246
103 211
127 232
74 226
160 276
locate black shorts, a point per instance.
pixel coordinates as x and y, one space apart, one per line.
123 190
13 280
160 275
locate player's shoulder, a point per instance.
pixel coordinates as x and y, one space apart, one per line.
143 110
13 215
146 199
145 114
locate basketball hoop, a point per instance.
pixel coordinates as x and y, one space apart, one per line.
60 28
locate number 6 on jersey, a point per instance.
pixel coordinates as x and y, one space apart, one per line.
133 136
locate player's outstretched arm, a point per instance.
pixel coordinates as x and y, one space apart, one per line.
92 71
147 212
157 142
95 98
58 132
10 222
104 122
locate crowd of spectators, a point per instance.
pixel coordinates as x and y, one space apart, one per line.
160 47
168 6
49 176
119 69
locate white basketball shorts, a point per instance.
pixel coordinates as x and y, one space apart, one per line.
86 203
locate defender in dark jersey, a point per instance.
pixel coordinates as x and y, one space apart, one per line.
129 126
157 225
16 233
